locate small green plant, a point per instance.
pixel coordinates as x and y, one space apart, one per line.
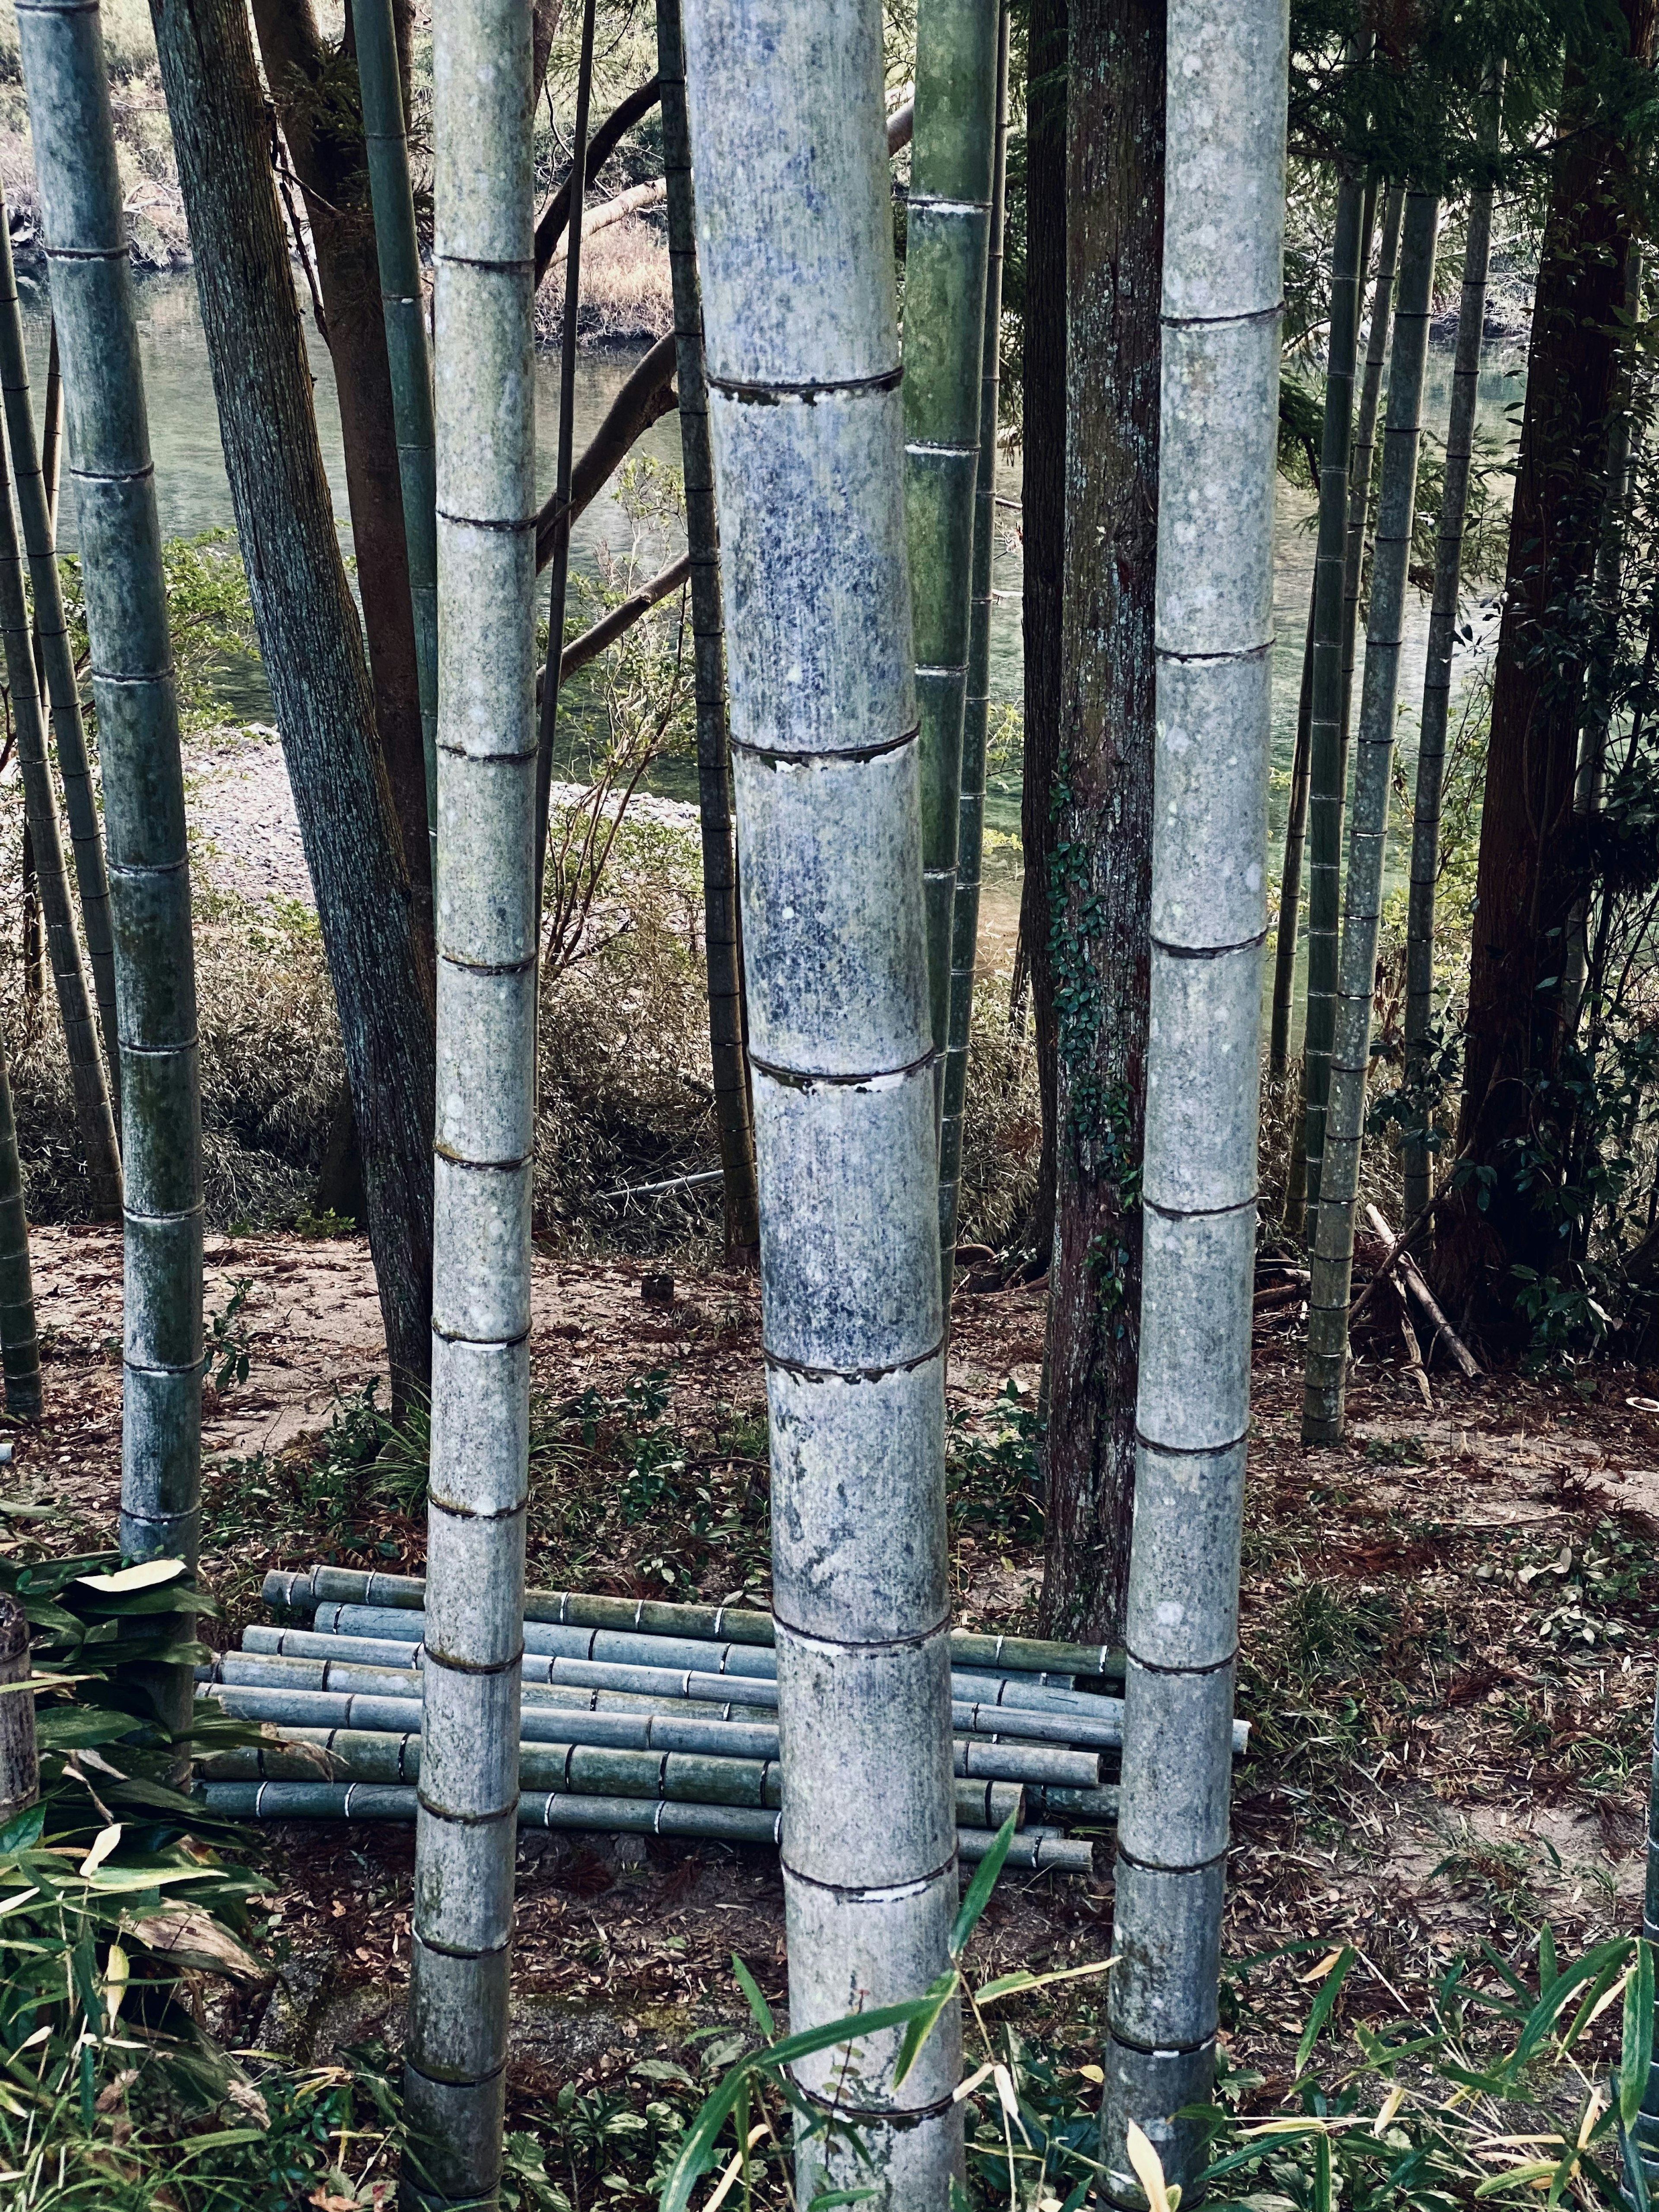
994 1482
319 1227
228 1346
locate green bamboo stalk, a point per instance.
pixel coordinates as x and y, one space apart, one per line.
402 304
800 328
483 302
109 460
85 1061
1364 445
721 947
1332 1263
947 233
36 479
1222 289
970 834
20 1344
1290 893
1437 673
1325 787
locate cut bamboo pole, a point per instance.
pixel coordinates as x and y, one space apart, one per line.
1436 672
20 1765
20 1341
1410 1276
86 239
1223 292
483 306
971 832
37 501
948 221
1331 1266
1364 442
402 304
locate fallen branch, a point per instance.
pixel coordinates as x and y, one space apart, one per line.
1405 1269
655 1189
634 201
1282 1294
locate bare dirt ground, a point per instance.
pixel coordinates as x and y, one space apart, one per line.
1448 1648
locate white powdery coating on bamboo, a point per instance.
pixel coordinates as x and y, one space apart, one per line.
795 245
486 933
1222 297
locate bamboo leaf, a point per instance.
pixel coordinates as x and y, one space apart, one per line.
758 2004
1149 2170
146 1575
921 2027
1330 1990
1636 2045
1008 1985
978 1890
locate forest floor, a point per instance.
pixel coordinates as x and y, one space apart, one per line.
1449 1646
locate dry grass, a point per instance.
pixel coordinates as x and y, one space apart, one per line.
626 292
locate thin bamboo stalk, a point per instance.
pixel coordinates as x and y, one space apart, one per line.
1222 289
1331 1266
403 305
721 948
303 1593
1436 672
20 1765
1365 444
94 1122
35 471
1290 891
20 1342
1325 789
483 310
86 238
948 221
971 832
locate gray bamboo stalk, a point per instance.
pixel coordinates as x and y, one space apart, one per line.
1365 444
1290 893
110 467
403 303
971 832
483 304
37 503
19 1343
85 1055
20 1764
1325 787
1223 292
721 946
801 337
1436 672
1331 1266
947 231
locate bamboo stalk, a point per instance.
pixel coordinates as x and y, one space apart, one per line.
1325 787
20 1765
94 1122
1365 444
35 471
721 945
1436 672
948 221
1221 295
970 834
483 308
1331 1266
402 304
20 1342
1290 890
86 239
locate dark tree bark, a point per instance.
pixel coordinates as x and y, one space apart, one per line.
1531 867
1100 869
311 642
1043 524
326 142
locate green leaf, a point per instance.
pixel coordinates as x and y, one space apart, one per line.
758 2004
923 2025
1548 1970
1322 2173
22 1831
1329 1990
1636 2045
978 1890
826 2197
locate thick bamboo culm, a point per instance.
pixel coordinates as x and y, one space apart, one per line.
1438 667
85 227
83 1045
20 1341
1364 441
1222 310
947 230
1331 1263
1290 890
402 304
37 500
970 815
1325 787
484 307
322 1585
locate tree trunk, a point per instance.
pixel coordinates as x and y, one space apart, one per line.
948 228
1044 534
454 2080
20 1342
800 324
1530 868
1364 446
143 794
1332 1259
1290 890
20 1764
720 851
325 138
310 642
1436 682
1101 875
975 720
1223 285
